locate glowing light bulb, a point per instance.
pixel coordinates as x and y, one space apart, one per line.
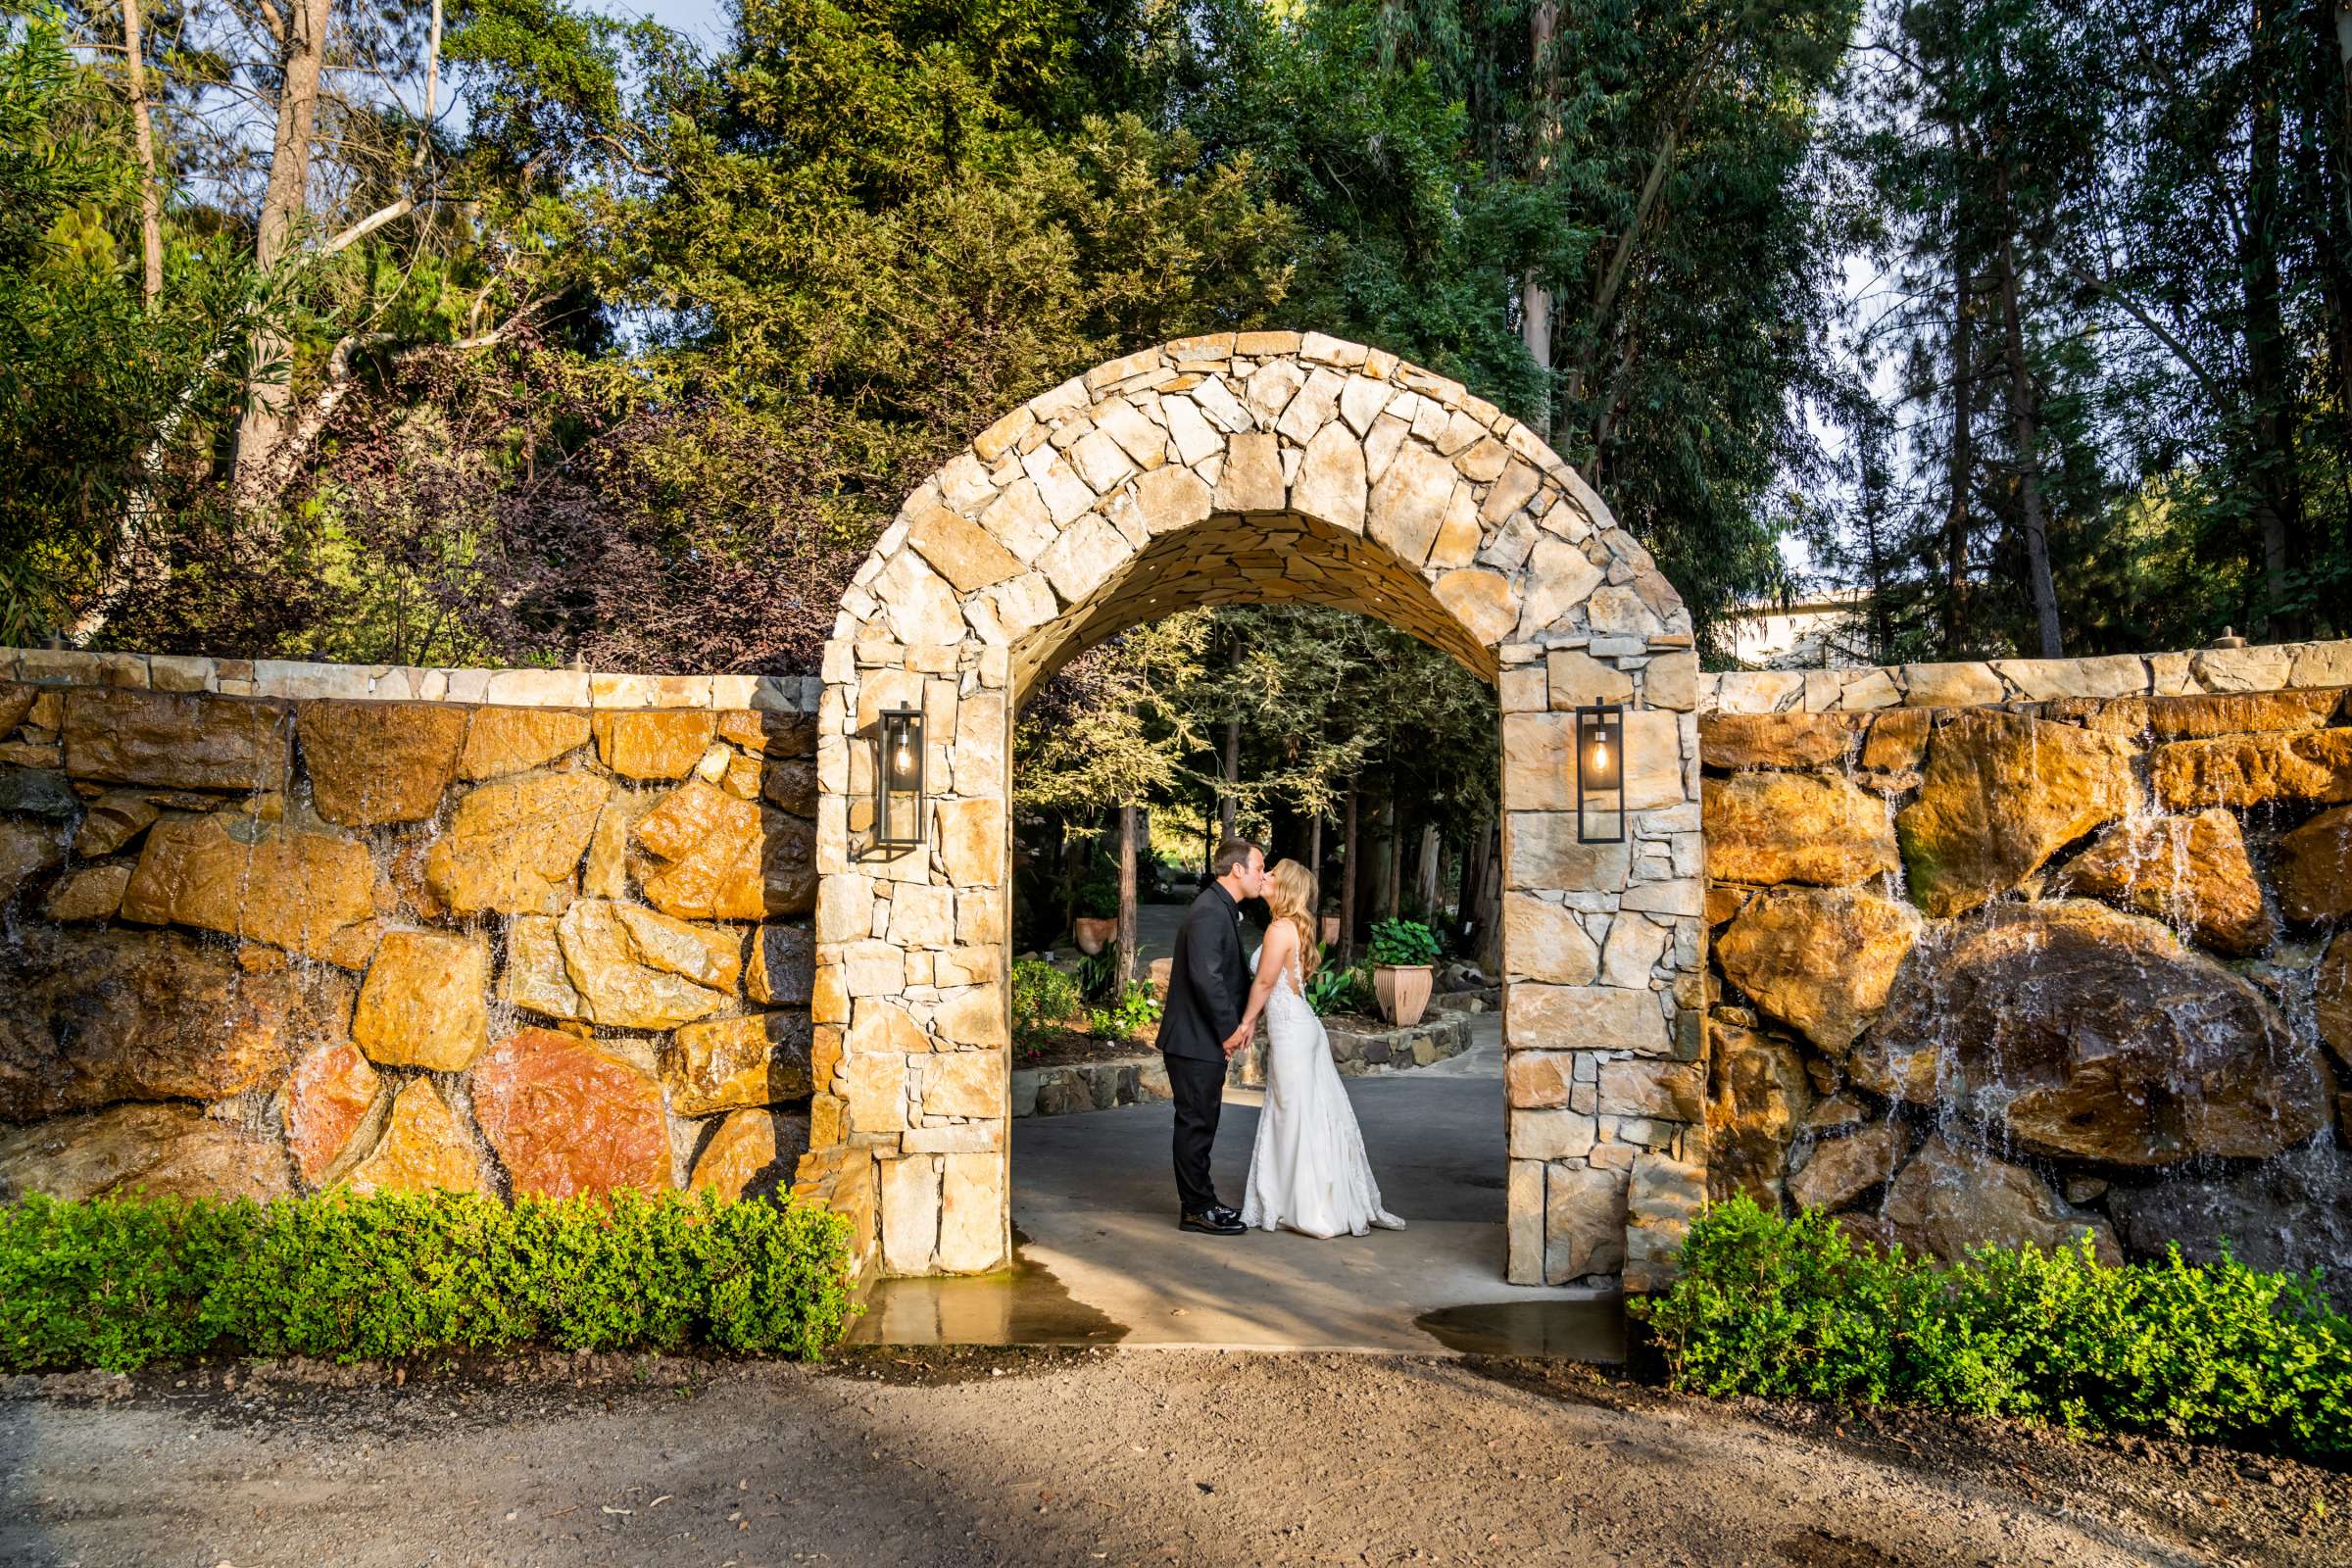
1601 757
904 761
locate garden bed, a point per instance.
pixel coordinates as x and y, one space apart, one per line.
1084 1072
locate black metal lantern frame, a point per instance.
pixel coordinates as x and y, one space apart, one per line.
899 779
1600 773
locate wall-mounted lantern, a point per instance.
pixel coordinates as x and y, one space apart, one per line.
1600 773
899 779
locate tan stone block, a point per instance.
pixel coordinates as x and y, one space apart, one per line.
1484 602
1582 1018
514 845
1672 1091
963 1083
923 917
1960 685
873 969
751 1154
1559 578
1409 505
2323 665
1544 942
373 761
884 1028
287 887
1757 691
1538 1080
980 917
2264 667
536 979
973 1018
971 841
1577 679
88 893
424 1001
875 1089
175 740
636 969
1583 1223
966 555
1172 499
422 1148
2041 679
1331 479
1541 850
1634 946
1252 478
971 1234
761 1058
1524 1214
1538 762
1522 690
653 742
1550 1135
910 1212
828 992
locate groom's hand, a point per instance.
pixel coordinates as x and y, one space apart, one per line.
1236 1040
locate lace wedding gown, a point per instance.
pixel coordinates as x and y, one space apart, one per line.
1307 1171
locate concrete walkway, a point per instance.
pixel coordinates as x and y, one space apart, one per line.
1103 1261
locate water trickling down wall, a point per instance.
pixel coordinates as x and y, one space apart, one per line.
2063 947
264 930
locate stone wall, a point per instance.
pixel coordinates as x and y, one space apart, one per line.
273 927
2008 952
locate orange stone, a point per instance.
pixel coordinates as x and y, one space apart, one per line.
653 742
751 1154
423 1146
567 1118
374 762
328 1096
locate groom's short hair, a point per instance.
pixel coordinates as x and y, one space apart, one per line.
1235 851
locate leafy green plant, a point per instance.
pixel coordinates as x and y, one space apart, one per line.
1137 1009
1334 989
1795 1307
1404 942
1045 999
118 1282
1098 975
1095 899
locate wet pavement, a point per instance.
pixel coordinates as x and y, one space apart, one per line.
1101 1261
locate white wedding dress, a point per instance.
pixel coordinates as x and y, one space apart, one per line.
1307 1171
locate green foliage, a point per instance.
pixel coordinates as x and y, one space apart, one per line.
1098 974
1137 1009
1331 989
1095 899
118 1282
1796 1309
1404 942
1044 1000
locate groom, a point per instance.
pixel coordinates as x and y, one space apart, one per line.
1208 981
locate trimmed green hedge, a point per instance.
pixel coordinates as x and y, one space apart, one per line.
1796 1309
118 1282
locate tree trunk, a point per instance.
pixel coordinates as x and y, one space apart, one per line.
1314 857
1490 903
2025 434
1127 922
1391 859
1465 895
1347 880
1425 874
1960 465
1534 299
151 196
2268 374
266 385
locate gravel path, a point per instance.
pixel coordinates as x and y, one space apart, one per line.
964 1457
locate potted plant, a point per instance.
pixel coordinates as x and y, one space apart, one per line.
1403 953
1095 921
1327 925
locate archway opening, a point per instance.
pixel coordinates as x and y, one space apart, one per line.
1248 467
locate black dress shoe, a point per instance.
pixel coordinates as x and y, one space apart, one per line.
1216 1222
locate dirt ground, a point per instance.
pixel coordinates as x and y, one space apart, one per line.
983 1456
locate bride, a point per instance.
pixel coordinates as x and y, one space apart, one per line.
1308 1171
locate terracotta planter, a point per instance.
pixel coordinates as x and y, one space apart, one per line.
1329 929
1093 935
1403 991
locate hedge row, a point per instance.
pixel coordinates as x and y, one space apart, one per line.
118 1282
1796 1309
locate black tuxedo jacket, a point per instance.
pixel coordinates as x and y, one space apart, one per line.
1208 981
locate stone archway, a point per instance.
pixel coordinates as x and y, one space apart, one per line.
1250 466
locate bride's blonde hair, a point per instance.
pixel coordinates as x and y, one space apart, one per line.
1292 897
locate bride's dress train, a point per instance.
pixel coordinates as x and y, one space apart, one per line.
1307 1171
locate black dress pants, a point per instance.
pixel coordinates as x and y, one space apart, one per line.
1199 1090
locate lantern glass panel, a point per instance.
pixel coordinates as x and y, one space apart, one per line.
1600 773
899 779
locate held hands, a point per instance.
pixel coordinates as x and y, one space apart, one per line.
1240 1037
